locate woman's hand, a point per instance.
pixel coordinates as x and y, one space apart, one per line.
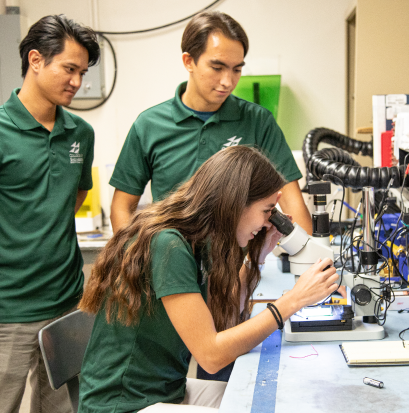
315 284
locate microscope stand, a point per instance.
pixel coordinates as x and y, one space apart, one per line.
360 331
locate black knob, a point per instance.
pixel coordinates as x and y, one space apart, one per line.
361 294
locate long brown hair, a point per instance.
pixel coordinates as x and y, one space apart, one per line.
205 210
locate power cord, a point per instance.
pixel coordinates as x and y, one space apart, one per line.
102 34
113 82
164 25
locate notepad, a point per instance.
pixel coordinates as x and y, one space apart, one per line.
376 353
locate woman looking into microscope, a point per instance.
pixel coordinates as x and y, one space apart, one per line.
173 281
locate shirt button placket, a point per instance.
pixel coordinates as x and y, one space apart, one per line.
53 160
202 140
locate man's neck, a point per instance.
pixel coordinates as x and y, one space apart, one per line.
42 110
193 101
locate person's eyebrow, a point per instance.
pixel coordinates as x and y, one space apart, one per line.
219 62
76 66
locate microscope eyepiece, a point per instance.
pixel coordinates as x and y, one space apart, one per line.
281 222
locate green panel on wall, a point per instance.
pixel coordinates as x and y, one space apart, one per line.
263 90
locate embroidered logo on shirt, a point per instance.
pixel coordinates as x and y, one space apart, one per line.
75 147
232 142
75 156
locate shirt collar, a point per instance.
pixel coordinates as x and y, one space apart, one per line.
230 109
63 121
24 120
179 111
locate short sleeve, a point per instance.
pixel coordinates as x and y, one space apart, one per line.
85 183
174 269
276 148
132 171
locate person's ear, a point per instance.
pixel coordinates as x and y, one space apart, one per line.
188 61
35 60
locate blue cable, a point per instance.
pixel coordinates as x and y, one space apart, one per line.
352 209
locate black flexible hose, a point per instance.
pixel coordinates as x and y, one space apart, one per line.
336 162
339 163
318 135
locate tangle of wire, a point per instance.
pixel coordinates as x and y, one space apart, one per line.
385 295
384 291
398 232
401 196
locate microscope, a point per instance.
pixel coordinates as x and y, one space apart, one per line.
323 322
305 250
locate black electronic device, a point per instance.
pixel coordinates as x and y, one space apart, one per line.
339 320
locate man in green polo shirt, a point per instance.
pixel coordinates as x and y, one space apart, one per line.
46 155
168 142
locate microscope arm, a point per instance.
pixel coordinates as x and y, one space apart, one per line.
305 250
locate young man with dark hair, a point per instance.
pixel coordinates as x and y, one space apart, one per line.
168 142
48 37
46 155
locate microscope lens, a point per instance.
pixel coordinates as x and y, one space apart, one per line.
281 222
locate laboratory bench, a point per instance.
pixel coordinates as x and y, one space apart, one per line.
310 377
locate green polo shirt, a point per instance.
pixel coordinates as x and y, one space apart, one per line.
40 174
126 369
168 142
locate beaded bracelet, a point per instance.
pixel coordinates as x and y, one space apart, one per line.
247 263
276 315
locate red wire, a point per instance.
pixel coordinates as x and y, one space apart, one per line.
303 357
